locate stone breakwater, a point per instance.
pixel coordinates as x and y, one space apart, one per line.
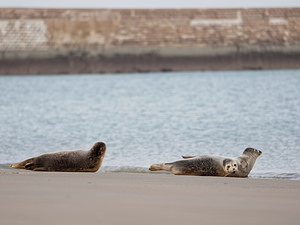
62 41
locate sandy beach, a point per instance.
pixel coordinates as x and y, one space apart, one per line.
137 198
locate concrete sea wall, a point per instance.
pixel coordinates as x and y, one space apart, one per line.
62 41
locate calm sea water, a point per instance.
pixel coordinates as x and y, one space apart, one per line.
157 117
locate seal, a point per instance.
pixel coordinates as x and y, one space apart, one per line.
201 165
211 165
66 161
246 162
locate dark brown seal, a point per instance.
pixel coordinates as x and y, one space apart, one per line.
66 161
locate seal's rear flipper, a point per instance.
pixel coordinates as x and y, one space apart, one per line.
27 164
162 166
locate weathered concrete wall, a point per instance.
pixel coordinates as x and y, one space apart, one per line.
34 41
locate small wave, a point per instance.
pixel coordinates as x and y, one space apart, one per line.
127 169
272 175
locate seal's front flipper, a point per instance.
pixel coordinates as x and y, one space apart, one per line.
29 166
161 166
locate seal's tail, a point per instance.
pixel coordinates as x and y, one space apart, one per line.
161 166
27 164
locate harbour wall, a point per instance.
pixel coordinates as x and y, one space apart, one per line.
63 41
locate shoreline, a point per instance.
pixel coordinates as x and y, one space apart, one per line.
270 175
127 198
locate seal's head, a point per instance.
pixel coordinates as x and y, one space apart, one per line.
252 152
98 149
230 166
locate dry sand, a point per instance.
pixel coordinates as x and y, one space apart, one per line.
135 198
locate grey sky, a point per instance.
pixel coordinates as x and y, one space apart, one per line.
148 3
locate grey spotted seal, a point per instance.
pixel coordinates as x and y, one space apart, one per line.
211 165
201 165
246 162
66 161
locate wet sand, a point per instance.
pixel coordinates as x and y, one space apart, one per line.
135 198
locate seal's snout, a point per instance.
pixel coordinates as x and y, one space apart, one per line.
98 149
259 152
252 151
99 145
